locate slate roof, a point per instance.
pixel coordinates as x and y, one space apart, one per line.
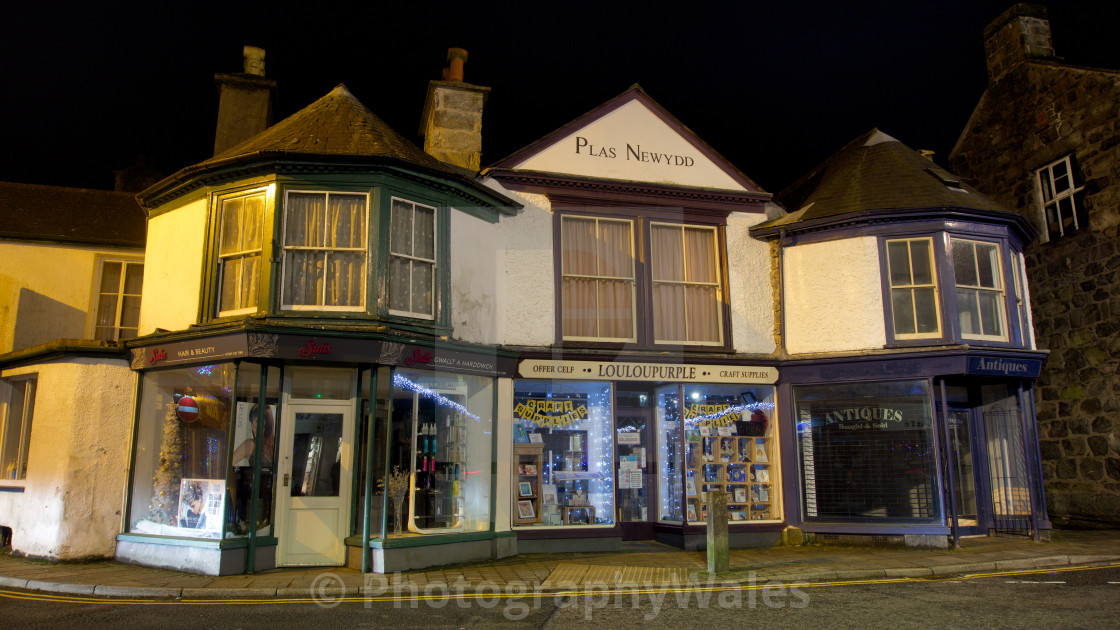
336 124
875 173
70 215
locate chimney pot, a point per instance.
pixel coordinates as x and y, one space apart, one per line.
254 60
457 57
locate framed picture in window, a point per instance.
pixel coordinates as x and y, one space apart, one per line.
525 489
525 509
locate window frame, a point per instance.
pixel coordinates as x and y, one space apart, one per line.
267 228
718 284
27 412
1046 173
95 295
1000 273
633 279
889 288
284 248
437 268
642 217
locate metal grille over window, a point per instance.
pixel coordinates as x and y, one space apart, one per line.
412 259
980 301
913 288
325 250
597 265
1061 209
118 300
239 253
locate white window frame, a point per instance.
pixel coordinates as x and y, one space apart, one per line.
1000 291
718 284
937 334
25 420
1046 174
95 301
632 279
241 254
284 249
434 261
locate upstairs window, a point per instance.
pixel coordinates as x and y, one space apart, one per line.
597 279
324 251
239 253
15 433
686 285
1060 207
412 259
913 288
980 295
118 300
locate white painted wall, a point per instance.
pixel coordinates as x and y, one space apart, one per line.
77 462
833 296
474 278
527 297
46 291
749 290
173 268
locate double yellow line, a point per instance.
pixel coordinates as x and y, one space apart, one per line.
527 594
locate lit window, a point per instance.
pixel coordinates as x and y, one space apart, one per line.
239 253
913 286
1055 182
412 259
597 279
16 434
980 302
324 251
118 300
686 287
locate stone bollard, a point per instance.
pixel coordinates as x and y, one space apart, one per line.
719 559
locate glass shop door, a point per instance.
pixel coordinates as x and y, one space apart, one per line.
635 473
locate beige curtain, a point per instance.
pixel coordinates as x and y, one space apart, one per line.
240 250
325 254
597 286
685 284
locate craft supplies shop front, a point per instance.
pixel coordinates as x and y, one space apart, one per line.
606 451
252 450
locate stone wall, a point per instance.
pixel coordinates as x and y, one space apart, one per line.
1039 113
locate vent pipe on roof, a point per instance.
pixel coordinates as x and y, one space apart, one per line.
254 60
451 124
926 153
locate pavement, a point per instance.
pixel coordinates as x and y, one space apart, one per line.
638 564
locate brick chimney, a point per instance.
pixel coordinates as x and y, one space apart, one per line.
1020 33
245 102
451 124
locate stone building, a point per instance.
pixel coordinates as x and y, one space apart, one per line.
1044 141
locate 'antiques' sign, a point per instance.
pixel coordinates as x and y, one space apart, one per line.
626 371
998 366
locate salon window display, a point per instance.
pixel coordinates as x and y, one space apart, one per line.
571 424
179 477
717 438
249 431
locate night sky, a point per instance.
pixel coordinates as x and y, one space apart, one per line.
775 87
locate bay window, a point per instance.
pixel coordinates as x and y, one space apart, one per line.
239 252
412 259
913 288
324 251
980 298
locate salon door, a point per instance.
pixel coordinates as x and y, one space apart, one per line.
313 500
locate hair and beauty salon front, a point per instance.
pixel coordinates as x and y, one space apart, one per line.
606 451
255 450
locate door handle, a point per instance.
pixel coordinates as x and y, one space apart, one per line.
287 478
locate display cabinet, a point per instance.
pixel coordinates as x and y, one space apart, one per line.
528 466
439 447
737 465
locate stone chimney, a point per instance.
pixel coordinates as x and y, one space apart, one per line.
245 102
1020 33
451 124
